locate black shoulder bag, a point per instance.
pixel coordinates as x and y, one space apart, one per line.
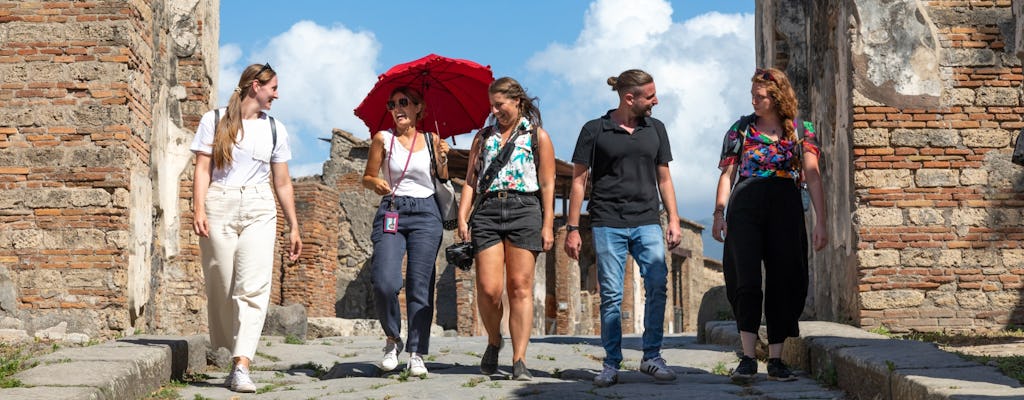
461 254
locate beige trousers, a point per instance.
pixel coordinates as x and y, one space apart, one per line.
238 262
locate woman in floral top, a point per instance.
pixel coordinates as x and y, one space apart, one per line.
511 224
765 156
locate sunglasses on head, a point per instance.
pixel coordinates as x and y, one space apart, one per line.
264 68
765 74
402 102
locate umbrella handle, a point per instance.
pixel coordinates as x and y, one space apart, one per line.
438 131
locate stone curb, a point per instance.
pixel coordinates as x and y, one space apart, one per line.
129 368
872 366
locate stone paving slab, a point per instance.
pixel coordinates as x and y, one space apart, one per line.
52 393
870 366
563 368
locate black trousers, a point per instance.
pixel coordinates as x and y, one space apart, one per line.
765 224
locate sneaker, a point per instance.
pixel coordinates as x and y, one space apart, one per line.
391 350
416 366
608 376
746 370
520 372
656 367
240 381
777 371
489 362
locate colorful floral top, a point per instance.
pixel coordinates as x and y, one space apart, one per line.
761 156
520 174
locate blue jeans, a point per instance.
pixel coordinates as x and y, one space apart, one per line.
417 240
646 245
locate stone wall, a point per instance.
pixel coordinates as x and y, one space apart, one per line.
94 96
311 280
916 103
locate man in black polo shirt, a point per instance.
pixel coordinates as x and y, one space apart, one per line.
628 153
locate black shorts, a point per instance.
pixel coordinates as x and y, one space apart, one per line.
514 216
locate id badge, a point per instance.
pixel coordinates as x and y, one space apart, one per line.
390 222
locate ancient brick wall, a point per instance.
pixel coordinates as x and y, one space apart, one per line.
311 280
81 85
916 104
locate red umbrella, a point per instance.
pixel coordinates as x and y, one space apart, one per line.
455 91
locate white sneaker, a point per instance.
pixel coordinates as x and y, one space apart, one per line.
391 350
416 365
656 367
240 381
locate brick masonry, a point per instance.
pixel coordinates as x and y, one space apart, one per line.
917 128
85 88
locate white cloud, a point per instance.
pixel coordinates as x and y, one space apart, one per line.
323 74
701 68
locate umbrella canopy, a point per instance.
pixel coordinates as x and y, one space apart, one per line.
455 91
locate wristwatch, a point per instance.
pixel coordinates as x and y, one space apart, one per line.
571 228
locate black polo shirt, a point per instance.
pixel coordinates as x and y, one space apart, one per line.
624 170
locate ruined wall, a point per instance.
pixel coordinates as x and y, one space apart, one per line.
311 280
916 103
93 95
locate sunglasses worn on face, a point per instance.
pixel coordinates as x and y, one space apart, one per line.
765 74
403 102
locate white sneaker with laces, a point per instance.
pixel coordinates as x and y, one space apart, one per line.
656 367
241 382
416 365
391 350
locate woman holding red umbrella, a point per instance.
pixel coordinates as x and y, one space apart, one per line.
407 224
510 224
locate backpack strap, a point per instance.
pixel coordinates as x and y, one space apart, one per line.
273 135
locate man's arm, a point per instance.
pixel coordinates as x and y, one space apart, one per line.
573 242
668 200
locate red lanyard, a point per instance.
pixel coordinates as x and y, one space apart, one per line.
390 151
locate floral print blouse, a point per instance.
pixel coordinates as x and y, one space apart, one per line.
761 156
520 174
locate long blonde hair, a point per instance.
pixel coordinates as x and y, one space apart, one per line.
225 137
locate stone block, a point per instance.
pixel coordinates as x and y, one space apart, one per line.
875 216
968 57
958 97
936 178
888 299
961 382
871 137
878 258
925 216
992 138
714 306
969 217
331 327
1013 258
53 393
188 353
883 178
925 138
972 299
286 320
998 96
970 177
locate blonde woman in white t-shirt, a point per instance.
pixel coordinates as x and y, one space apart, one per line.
407 224
240 160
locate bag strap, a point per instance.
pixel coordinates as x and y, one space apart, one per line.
496 165
429 140
273 129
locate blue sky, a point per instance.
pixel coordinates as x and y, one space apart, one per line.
328 54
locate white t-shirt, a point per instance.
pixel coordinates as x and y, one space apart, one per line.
418 182
251 155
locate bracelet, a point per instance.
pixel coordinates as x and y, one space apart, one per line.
719 211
